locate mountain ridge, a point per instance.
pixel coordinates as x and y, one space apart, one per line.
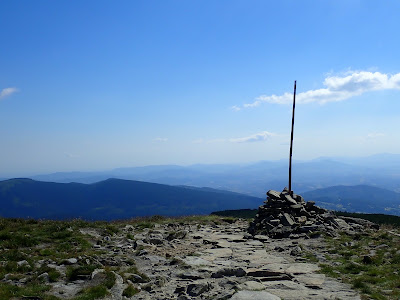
255 178
358 198
110 199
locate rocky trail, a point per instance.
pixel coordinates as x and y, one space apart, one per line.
212 261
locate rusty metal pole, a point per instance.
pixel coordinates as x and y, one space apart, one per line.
291 141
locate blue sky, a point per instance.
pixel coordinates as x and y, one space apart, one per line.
93 85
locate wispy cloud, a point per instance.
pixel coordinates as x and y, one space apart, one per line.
337 88
258 137
374 135
160 139
7 92
235 108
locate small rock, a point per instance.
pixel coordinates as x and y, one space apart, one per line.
238 272
155 239
129 228
135 278
22 263
96 272
196 289
191 275
181 234
273 194
262 238
69 261
296 251
142 252
44 277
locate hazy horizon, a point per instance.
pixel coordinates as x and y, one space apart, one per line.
282 160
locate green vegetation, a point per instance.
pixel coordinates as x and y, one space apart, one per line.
237 213
25 244
370 262
92 293
376 218
30 250
150 222
75 273
130 291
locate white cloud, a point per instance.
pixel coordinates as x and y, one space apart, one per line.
235 108
337 88
7 92
258 137
374 135
159 139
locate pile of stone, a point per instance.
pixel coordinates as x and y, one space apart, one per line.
288 215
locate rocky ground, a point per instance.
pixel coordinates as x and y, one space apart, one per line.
191 261
192 258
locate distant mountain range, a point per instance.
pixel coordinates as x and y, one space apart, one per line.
121 199
254 179
112 199
360 198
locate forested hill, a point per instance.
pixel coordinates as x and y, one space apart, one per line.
359 198
111 199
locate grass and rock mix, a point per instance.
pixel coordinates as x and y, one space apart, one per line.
42 259
369 261
73 259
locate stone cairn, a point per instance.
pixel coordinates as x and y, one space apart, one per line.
289 216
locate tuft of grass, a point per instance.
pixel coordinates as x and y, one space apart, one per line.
130 291
310 256
91 293
130 236
110 279
53 275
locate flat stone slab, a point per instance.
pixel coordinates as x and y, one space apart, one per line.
265 272
226 263
301 268
254 243
261 257
223 244
252 286
213 254
311 280
274 194
261 238
284 285
254 295
196 261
